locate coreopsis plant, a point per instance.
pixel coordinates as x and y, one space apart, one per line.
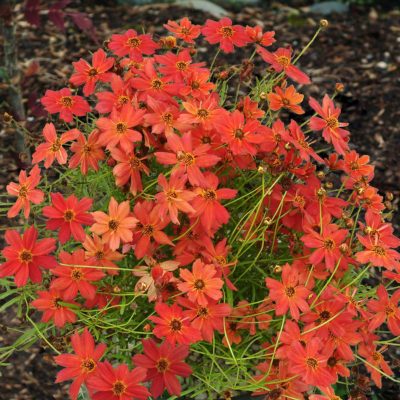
193 228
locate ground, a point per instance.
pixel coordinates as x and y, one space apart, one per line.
360 49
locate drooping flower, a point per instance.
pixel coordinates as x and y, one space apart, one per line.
87 152
133 45
53 148
25 255
88 74
256 35
116 226
328 122
226 34
172 325
163 364
68 216
117 383
201 284
63 102
82 364
288 294
281 61
74 276
25 191
49 302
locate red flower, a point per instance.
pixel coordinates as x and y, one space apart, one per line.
240 135
117 383
207 205
128 168
173 325
186 158
208 318
197 85
326 244
256 35
82 364
331 128
385 309
117 128
90 74
149 227
133 45
88 152
184 30
286 98
201 285
25 192
310 363
65 103
53 147
174 197
68 215
289 294
163 364
25 255
281 60
49 303
226 34
74 276
116 226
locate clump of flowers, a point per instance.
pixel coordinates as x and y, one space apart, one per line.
202 230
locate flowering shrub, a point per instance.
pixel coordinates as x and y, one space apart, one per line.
192 237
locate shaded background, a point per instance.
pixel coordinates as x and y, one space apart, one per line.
361 49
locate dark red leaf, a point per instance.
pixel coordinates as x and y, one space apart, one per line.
56 16
84 23
31 11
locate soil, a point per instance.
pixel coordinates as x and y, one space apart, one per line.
360 49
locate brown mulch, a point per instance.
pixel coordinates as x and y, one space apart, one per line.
360 49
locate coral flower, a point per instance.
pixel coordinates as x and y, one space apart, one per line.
82 364
201 285
133 45
49 303
385 309
329 123
286 98
311 363
25 255
206 319
53 147
226 34
68 215
256 35
197 85
174 197
163 364
186 158
25 192
172 325
184 30
90 74
65 103
87 152
281 60
99 253
73 276
149 226
117 383
117 129
116 226
290 294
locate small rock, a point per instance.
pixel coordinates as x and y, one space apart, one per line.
329 7
203 5
382 65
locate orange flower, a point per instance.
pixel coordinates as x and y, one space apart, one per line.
286 98
116 226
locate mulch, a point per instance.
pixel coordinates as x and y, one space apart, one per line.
360 49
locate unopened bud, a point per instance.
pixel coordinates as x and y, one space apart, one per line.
389 196
344 248
168 41
388 205
261 170
147 328
329 185
7 118
263 96
320 175
277 269
116 289
339 87
349 222
288 146
268 221
323 23
321 192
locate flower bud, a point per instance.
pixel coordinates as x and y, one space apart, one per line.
277 269
339 87
329 185
320 175
116 289
7 118
389 196
323 23
263 96
268 221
